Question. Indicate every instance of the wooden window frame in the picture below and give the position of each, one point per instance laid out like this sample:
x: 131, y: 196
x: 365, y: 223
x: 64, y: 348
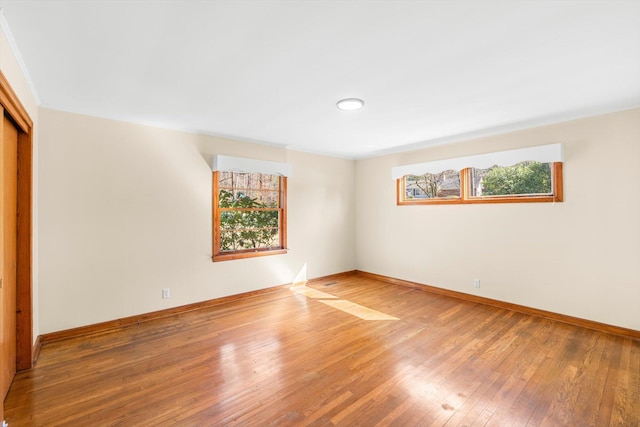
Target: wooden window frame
x: 219, y: 255
x: 467, y: 198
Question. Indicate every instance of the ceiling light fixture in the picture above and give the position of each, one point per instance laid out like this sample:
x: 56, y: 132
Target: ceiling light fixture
x: 350, y: 104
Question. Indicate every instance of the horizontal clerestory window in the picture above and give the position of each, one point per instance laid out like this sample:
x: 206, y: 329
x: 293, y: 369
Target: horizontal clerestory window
x: 525, y: 175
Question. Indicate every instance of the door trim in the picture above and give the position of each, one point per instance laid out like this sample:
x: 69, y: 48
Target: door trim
x: 24, y: 287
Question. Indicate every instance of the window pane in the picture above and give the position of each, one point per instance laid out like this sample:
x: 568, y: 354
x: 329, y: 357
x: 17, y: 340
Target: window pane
x: 443, y: 185
x: 249, y: 219
x: 526, y: 178
x: 249, y: 229
x: 248, y: 190
x: 249, y: 199
x: 244, y: 181
x: 240, y: 240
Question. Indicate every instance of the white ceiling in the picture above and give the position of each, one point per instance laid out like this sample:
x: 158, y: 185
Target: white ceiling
x: 429, y: 71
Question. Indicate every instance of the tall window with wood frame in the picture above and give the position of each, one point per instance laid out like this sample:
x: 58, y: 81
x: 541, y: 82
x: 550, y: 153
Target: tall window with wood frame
x: 249, y: 215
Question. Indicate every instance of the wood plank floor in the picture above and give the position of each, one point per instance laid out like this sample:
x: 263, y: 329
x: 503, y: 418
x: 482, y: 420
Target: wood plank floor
x: 286, y: 359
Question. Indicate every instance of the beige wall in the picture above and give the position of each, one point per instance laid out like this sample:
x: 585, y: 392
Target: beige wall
x: 125, y: 210
x: 580, y: 257
x: 18, y: 82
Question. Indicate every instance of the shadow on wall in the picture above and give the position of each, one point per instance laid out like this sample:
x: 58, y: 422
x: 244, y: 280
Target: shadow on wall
x: 209, y: 146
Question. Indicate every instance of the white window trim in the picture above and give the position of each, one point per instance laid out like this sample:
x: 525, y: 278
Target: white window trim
x: 543, y: 153
x: 241, y: 164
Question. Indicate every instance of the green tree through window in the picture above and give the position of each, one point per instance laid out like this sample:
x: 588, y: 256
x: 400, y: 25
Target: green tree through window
x: 523, y: 178
x: 249, y: 225
x: 249, y: 215
x: 525, y: 182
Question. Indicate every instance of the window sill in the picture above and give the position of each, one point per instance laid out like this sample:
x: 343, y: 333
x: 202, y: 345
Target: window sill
x: 247, y: 254
x: 475, y: 201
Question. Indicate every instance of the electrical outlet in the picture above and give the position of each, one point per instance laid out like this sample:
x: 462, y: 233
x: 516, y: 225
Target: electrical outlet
x: 165, y: 293
x: 476, y: 283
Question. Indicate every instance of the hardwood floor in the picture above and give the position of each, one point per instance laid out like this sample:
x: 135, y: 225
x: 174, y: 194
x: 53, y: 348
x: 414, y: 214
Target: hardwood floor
x: 286, y: 359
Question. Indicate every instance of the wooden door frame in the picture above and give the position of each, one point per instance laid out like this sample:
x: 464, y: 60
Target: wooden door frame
x: 24, y: 289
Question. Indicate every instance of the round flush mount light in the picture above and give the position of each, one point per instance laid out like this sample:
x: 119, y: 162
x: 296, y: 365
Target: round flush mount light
x: 350, y: 104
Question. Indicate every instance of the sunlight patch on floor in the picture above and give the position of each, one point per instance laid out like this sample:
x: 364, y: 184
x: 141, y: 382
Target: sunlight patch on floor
x: 341, y: 304
x: 311, y: 293
x: 358, y: 310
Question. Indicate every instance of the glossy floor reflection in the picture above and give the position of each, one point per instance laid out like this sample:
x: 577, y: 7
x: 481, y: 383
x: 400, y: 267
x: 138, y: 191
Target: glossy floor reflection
x: 299, y: 359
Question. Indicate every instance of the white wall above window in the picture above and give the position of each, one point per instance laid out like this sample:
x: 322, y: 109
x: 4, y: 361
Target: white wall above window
x: 241, y: 164
x: 543, y: 154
